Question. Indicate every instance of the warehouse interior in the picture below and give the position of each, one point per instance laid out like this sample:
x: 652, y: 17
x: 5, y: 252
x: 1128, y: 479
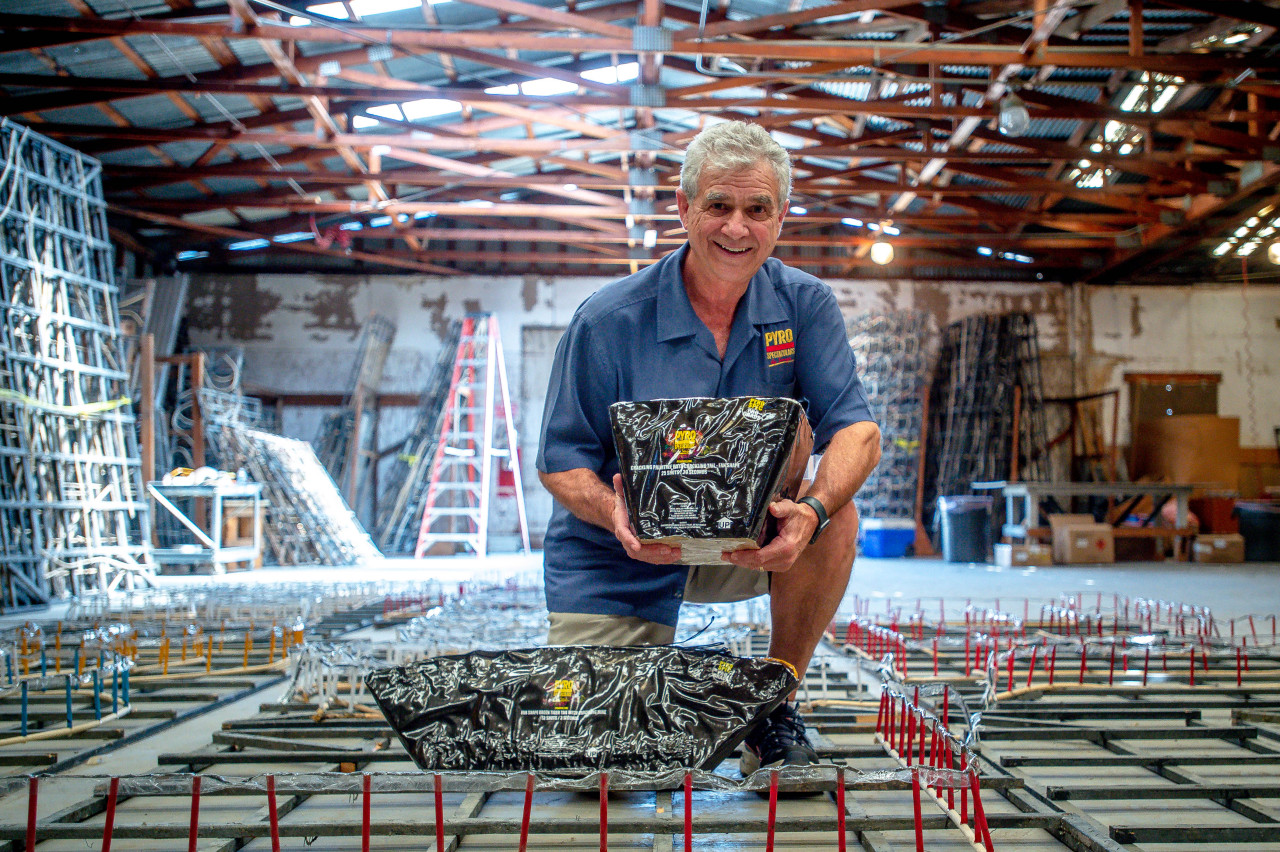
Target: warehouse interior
x: 282, y: 283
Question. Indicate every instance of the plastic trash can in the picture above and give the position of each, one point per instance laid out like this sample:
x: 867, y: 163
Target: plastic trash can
x: 966, y: 528
x: 1260, y: 526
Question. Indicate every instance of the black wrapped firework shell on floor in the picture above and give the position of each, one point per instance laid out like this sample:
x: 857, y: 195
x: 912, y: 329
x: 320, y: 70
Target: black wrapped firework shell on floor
x: 575, y: 709
x: 701, y: 473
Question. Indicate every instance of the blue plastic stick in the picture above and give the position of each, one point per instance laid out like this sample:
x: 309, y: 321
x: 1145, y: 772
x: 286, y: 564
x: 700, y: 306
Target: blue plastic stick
x: 126, y: 688
x: 115, y: 689
x: 97, y: 698
x: 69, y: 701
x: 8, y: 666
x: 75, y: 661
x: 24, y: 708
x: 44, y: 663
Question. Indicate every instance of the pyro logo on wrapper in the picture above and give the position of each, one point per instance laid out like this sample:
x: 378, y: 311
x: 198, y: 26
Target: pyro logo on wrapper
x: 561, y: 695
x: 683, y: 444
x: 779, y: 347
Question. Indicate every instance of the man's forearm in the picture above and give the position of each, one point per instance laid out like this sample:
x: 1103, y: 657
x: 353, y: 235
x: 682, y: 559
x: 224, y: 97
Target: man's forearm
x: 848, y: 460
x: 583, y: 493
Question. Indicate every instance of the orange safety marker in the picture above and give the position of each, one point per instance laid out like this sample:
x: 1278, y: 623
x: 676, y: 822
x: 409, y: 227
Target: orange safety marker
x: 271, y: 657
x: 248, y: 646
x: 208, y: 656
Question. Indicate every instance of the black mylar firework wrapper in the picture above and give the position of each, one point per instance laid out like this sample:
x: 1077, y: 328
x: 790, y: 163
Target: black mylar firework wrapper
x: 576, y: 709
x: 701, y: 473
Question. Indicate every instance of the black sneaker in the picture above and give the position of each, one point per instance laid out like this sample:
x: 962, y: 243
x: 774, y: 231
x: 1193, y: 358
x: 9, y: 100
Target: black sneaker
x: 779, y: 740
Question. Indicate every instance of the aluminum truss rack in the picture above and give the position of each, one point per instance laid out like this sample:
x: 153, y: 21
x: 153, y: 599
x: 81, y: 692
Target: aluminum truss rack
x: 893, y: 355
x: 307, y: 521
x: 72, y: 511
x: 986, y: 409
x: 344, y: 442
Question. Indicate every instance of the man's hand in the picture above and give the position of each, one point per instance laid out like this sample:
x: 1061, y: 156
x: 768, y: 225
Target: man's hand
x: 796, y: 523
x: 654, y: 554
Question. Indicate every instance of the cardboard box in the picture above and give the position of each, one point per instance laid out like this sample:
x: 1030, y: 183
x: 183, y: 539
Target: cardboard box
x: 1018, y: 555
x: 1200, y: 448
x: 1219, y: 547
x: 1080, y: 539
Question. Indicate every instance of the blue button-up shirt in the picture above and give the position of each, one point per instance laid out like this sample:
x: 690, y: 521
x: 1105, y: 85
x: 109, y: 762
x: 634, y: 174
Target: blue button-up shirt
x: 638, y: 339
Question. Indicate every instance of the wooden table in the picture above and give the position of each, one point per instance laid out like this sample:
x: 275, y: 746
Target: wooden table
x: 1022, y: 503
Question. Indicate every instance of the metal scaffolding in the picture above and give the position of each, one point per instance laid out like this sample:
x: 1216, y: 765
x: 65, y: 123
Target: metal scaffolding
x: 72, y: 512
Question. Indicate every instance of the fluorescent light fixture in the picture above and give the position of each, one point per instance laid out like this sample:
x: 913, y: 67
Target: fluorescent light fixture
x: 881, y: 252
x: 873, y: 226
x: 476, y: 202
x: 379, y: 221
x: 425, y: 214
x: 351, y: 226
x: 292, y: 237
x: 650, y: 238
x: 614, y: 73
x: 797, y: 210
x: 192, y: 255
x: 852, y: 222
x: 1273, y: 253
x: 891, y: 230
x: 1222, y: 249
x: 380, y: 150
x: 984, y: 251
x: 509, y: 89
x: 630, y: 221
x: 429, y: 108
x: 1236, y: 38
x: 248, y: 245
x: 570, y: 187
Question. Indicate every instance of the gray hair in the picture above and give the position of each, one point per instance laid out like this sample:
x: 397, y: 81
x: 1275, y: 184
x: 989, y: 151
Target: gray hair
x: 734, y: 145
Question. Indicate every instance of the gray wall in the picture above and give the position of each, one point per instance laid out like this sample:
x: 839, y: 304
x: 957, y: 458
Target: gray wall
x: 299, y: 335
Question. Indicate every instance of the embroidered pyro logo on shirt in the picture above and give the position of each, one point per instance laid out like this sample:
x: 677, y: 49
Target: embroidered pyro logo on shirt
x: 779, y: 347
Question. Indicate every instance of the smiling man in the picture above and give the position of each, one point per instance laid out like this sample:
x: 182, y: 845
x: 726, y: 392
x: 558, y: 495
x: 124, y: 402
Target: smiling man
x: 716, y: 318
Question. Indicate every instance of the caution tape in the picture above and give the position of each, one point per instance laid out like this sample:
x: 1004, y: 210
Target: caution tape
x: 89, y: 409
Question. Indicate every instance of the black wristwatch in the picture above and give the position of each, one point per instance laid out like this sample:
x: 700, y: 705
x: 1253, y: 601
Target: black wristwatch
x: 816, y: 504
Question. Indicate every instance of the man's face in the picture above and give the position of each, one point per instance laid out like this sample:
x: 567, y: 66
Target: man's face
x: 733, y: 224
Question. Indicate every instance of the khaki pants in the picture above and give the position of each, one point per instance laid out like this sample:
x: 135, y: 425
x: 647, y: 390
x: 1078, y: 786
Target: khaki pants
x: 706, y: 584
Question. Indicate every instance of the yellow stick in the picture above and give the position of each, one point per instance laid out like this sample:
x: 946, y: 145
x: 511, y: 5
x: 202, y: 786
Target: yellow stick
x: 57, y: 733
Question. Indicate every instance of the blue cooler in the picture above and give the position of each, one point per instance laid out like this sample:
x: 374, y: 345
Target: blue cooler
x: 885, y: 538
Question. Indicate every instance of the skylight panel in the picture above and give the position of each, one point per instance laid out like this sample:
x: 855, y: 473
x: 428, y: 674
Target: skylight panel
x: 429, y: 108
x: 614, y: 73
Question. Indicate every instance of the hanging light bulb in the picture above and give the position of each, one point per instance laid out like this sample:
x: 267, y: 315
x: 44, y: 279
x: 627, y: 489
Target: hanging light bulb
x: 881, y: 252
x: 1273, y: 252
x: 1015, y: 120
